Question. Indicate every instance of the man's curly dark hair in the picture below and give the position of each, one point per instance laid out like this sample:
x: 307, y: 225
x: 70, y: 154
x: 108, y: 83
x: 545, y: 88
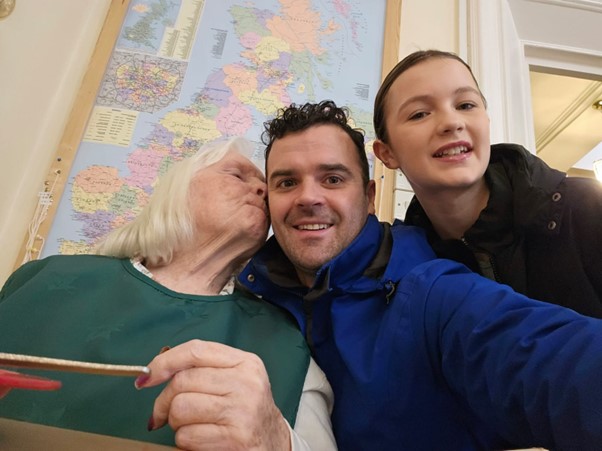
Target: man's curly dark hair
x: 297, y: 118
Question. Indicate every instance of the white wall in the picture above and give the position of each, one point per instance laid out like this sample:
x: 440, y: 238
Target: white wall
x: 45, y: 47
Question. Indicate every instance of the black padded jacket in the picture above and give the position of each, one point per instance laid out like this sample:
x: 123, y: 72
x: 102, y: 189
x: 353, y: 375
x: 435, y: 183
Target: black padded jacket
x: 541, y: 231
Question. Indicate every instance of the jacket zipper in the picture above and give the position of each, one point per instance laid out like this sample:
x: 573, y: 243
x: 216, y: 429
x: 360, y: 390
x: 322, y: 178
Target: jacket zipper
x: 494, y: 272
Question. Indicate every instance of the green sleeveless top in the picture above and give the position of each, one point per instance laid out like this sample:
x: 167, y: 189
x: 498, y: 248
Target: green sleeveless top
x: 102, y: 309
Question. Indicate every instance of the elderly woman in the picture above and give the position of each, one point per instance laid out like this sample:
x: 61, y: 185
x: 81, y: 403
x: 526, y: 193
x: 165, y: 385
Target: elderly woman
x: 165, y: 281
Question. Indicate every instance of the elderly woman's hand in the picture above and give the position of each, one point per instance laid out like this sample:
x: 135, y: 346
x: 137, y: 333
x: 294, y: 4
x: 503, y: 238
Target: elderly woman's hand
x: 218, y: 397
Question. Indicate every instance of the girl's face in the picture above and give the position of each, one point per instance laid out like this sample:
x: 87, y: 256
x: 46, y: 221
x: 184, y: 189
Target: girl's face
x: 437, y: 127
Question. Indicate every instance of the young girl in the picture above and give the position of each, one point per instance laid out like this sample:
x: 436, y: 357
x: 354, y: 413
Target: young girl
x: 496, y: 208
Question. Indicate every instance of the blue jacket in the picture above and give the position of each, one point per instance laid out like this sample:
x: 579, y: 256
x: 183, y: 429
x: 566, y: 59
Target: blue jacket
x: 423, y: 354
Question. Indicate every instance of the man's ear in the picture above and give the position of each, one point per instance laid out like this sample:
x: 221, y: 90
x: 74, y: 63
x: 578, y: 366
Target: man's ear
x: 371, y: 193
x: 384, y: 153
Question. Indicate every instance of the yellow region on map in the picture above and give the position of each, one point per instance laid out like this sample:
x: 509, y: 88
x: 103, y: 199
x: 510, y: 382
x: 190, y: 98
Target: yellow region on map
x: 69, y: 247
x: 189, y: 126
x: 111, y: 126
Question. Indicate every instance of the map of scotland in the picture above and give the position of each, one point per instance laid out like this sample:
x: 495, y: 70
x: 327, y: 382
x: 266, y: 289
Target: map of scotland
x: 187, y: 72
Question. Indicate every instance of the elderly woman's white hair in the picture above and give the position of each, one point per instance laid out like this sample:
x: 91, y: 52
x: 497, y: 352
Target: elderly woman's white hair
x: 165, y: 224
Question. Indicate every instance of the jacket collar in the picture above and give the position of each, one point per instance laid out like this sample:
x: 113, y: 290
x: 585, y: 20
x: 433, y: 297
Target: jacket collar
x: 521, y: 188
x: 367, y: 254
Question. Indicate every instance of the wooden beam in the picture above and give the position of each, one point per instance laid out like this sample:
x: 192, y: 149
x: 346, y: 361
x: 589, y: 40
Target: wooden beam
x: 385, y: 177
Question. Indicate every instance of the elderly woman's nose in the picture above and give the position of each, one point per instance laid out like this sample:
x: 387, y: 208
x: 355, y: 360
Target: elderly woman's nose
x: 260, y: 187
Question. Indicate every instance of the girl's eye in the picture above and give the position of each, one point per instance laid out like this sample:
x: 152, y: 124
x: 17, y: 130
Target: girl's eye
x: 466, y: 106
x: 418, y: 115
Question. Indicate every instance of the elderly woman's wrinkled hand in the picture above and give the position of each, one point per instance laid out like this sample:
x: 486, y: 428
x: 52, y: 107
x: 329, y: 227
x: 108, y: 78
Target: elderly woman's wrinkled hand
x: 217, y: 397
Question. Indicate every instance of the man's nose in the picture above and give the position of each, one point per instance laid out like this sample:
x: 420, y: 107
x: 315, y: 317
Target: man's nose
x: 309, y: 194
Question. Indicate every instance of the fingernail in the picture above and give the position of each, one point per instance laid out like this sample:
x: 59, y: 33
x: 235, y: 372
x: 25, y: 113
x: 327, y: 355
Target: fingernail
x: 141, y: 380
x: 151, y: 424
x: 164, y: 349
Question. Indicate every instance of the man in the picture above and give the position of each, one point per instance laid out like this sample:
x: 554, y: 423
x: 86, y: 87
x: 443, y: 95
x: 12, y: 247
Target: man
x: 421, y: 353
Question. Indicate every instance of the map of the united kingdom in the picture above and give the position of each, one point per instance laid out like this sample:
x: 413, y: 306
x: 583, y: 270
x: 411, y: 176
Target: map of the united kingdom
x: 187, y: 72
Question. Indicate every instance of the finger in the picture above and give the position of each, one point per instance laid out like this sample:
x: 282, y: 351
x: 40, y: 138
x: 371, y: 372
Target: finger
x: 194, y: 353
x: 205, y: 437
x: 183, y: 386
x: 198, y: 408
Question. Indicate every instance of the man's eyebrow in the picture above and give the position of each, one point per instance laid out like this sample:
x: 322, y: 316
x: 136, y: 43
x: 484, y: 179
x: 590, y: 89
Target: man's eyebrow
x: 281, y: 173
x: 334, y: 167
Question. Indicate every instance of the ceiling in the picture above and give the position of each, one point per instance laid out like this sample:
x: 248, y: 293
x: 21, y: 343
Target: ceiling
x: 568, y: 130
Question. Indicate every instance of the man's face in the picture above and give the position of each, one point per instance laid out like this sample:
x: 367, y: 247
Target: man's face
x: 317, y: 199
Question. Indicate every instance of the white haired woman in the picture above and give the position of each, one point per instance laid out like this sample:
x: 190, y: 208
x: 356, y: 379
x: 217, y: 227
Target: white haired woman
x: 239, y: 371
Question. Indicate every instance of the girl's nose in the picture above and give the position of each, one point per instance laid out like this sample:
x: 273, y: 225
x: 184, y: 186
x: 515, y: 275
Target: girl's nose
x: 451, y: 122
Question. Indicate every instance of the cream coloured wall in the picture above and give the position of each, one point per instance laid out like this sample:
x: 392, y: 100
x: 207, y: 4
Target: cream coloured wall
x: 45, y: 47
x: 429, y: 24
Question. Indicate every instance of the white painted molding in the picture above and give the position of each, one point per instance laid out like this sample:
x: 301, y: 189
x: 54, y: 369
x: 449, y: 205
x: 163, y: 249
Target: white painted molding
x: 483, y: 49
x: 587, y: 5
x: 563, y: 59
x: 496, y: 55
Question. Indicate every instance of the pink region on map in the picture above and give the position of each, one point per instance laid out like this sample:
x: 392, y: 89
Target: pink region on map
x: 144, y: 167
x: 235, y: 119
x: 250, y: 40
x: 342, y: 7
x: 99, y: 179
x: 299, y: 26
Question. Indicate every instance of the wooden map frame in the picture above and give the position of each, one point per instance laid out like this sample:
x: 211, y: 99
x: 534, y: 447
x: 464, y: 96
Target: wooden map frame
x: 85, y: 99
